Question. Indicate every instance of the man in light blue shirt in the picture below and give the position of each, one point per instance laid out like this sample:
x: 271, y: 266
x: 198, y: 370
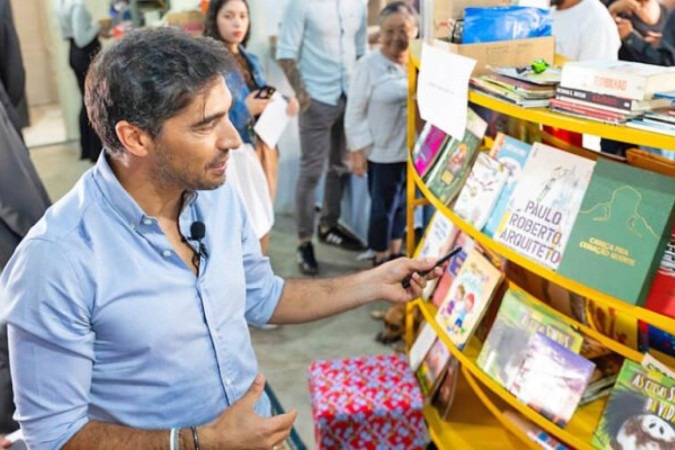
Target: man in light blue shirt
x: 319, y: 43
x: 127, y: 305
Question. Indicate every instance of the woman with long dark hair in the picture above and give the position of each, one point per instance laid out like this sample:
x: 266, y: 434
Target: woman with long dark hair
x: 229, y: 22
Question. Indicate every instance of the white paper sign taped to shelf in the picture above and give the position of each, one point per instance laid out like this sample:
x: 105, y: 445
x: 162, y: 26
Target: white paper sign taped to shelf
x: 443, y: 89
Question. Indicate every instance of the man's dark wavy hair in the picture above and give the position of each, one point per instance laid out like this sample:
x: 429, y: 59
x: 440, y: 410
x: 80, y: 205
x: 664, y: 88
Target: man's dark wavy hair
x: 147, y: 77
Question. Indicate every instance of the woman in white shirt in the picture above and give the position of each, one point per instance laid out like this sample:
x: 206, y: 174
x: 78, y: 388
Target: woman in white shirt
x: 77, y: 28
x: 375, y: 125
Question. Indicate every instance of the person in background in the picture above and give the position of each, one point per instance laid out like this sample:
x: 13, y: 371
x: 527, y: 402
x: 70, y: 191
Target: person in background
x: 77, y: 27
x: 128, y: 330
x: 23, y: 200
x: 253, y: 169
x: 319, y: 43
x: 375, y: 125
x: 646, y: 19
x: 649, y: 49
x: 12, y: 72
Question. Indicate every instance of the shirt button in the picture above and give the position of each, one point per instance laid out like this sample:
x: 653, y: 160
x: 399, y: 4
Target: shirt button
x: 228, y: 381
x: 147, y: 222
x: 166, y: 253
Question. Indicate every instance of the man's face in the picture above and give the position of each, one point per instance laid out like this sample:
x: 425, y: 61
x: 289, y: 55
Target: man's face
x: 192, y: 149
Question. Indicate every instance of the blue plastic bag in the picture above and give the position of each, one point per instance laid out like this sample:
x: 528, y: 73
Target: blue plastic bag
x: 503, y: 23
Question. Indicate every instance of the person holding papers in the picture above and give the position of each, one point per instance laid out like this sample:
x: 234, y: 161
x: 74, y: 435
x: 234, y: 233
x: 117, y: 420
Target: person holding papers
x: 253, y: 168
x: 375, y: 125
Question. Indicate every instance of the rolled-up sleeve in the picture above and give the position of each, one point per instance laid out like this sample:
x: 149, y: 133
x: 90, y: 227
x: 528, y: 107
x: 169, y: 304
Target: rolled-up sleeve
x: 263, y: 288
x: 292, y: 30
x: 357, y: 128
x: 50, y: 343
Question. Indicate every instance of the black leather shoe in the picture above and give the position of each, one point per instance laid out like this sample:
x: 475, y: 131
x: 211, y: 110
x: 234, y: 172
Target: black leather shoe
x: 340, y: 237
x: 306, y: 260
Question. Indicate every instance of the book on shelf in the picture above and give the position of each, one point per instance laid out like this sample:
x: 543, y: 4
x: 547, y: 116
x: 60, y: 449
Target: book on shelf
x: 481, y: 190
x: 429, y: 145
x: 438, y: 237
x: 632, y: 80
x: 609, y: 102
x: 468, y: 297
x: 499, y: 92
x: 551, y: 379
x: 655, y: 365
x: 447, y: 176
x: 621, y: 231
x: 432, y: 367
x: 619, y: 326
x: 544, y: 204
x: 661, y: 297
x: 533, y: 432
x: 518, y: 318
x: 670, y: 95
x: 653, y: 126
x: 590, y: 111
x: 513, y: 154
x: 550, y: 77
x: 452, y: 269
x: 639, y: 413
x: 604, y: 376
x: 524, y: 89
x: 445, y: 394
x: 425, y: 339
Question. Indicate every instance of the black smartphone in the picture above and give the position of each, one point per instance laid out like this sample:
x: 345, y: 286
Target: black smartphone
x: 406, y: 281
x: 265, y: 92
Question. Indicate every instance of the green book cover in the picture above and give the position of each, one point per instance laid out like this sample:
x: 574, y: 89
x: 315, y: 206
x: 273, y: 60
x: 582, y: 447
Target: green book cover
x: 447, y: 176
x: 621, y: 231
x: 640, y: 412
x: 520, y: 317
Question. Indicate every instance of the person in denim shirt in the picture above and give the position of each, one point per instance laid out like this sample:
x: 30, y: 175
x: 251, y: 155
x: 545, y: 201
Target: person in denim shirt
x: 254, y: 169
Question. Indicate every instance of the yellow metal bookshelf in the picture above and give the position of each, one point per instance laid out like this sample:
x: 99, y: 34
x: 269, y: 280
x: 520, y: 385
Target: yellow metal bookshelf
x: 493, y: 397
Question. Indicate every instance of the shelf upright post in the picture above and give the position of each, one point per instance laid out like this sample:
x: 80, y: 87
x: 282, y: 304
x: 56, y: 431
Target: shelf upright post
x: 410, y: 180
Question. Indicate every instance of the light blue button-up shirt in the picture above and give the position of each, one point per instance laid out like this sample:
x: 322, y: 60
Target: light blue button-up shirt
x: 325, y: 37
x: 107, y: 323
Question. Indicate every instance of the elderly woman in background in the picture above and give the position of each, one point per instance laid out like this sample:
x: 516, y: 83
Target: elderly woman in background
x: 375, y: 125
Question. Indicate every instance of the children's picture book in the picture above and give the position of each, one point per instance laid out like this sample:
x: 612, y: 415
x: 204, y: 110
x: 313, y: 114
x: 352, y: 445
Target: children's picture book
x: 519, y: 317
x: 661, y: 297
x: 452, y: 269
x: 425, y: 339
x: 513, y: 154
x: 429, y: 145
x: 447, y: 176
x: 432, y: 367
x: 654, y: 364
x: 438, y: 237
x: 445, y: 394
x: 468, y: 298
x: 544, y: 204
x: 534, y: 433
x: 481, y: 190
x: 620, y: 326
x: 551, y: 379
x: 640, y: 412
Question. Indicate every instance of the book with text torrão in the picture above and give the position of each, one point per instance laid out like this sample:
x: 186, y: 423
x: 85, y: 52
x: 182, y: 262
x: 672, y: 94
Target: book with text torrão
x: 640, y: 412
x: 544, y: 204
x: 481, y: 190
x: 448, y: 174
x: 520, y: 317
x: 621, y: 231
x: 438, y: 237
x: 513, y: 154
x: 631, y: 80
x: 427, y: 148
x: 468, y: 298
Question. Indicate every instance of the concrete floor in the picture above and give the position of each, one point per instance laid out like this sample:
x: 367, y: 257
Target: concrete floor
x: 284, y: 353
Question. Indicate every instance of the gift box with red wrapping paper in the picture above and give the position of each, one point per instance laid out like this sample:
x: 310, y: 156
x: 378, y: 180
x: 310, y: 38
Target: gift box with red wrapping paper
x: 364, y: 403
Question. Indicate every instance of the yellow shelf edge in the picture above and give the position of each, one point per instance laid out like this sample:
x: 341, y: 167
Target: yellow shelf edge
x: 662, y: 322
x: 560, y: 433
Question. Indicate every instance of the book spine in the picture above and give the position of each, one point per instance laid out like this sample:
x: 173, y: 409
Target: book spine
x: 624, y: 85
x: 591, y: 98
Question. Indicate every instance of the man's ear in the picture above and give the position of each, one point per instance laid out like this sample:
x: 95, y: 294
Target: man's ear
x: 136, y: 141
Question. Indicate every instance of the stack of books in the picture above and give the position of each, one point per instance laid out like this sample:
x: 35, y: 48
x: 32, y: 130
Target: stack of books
x: 658, y: 121
x: 517, y: 87
x: 612, y: 91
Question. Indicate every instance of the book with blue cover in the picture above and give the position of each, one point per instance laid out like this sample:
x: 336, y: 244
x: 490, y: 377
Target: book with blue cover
x: 513, y: 154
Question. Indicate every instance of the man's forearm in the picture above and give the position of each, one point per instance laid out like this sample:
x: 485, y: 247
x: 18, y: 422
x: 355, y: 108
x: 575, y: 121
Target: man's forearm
x: 105, y: 436
x: 290, y: 68
x: 307, y: 300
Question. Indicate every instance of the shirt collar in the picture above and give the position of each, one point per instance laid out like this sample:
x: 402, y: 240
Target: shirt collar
x: 120, y: 200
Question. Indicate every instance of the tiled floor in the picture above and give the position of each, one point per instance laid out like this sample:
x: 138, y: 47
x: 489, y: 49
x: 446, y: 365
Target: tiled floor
x: 286, y: 352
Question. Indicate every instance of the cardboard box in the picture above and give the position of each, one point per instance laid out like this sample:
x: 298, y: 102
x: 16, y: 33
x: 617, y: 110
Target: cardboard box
x: 503, y: 53
x: 446, y: 11
x: 190, y: 21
